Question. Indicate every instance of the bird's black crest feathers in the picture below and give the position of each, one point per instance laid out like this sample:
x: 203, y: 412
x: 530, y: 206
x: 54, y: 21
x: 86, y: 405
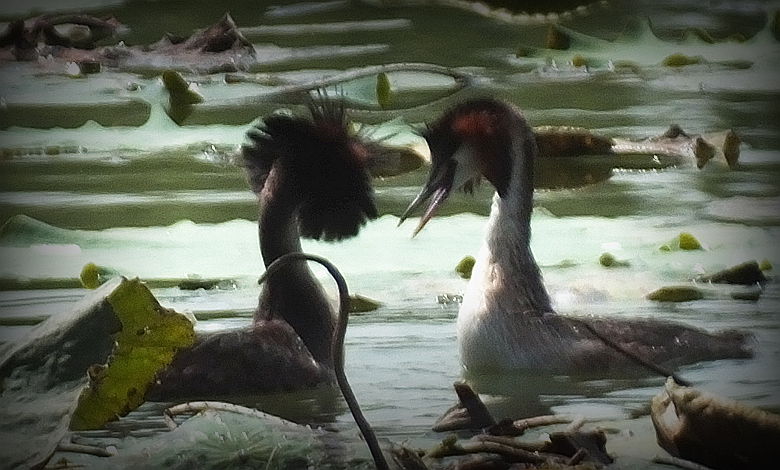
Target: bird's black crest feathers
x: 323, y: 162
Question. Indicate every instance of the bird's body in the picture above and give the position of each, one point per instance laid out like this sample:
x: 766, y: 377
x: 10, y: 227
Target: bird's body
x: 506, y: 320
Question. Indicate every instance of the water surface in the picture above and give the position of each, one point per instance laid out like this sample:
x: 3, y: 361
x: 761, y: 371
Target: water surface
x: 160, y: 200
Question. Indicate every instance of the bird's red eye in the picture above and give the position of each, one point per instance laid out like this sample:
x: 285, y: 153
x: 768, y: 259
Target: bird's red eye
x: 359, y: 151
x: 475, y: 124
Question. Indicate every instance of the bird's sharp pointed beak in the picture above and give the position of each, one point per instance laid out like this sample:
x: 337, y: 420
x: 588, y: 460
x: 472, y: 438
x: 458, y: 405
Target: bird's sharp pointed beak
x: 436, y: 190
x: 439, y: 196
x: 417, y: 202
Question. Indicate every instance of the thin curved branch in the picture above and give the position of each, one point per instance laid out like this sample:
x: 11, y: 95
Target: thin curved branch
x: 460, y: 78
x: 337, y: 348
x: 294, y: 97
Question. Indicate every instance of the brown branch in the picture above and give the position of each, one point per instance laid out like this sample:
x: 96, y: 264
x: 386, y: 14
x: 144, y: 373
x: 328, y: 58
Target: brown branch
x: 82, y: 449
x: 508, y: 441
x: 518, y: 427
x: 461, y: 79
x: 451, y: 447
x: 576, y: 424
x: 578, y: 456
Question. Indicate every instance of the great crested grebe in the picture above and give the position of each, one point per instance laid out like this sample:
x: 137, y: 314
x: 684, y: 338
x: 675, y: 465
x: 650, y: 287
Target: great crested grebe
x: 506, y: 320
x: 311, y: 180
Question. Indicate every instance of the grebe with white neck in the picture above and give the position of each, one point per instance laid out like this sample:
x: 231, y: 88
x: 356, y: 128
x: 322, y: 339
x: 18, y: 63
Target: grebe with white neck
x: 506, y: 320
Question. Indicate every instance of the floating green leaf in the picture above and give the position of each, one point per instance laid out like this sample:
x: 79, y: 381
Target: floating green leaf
x: 384, y: 94
x: 688, y: 242
x: 179, y: 90
x: 676, y: 294
x: 608, y: 260
x: 579, y: 61
x: 92, y: 275
x: 684, y: 241
x: 465, y: 266
x: 147, y: 342
x: 681, y: 60
x: 361, y: 304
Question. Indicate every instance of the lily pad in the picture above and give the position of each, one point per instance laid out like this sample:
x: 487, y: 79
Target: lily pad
x: 149, y: 337
x: 92, y: 275
x: 684, y: 241
x: 465, y: 266
x: 384, y: 94
x: 579, y: 61
x: 361, y: 304
x: 608, y: 260
x: 681, y: 60
x: 676, y: 294
x: 179, y: 89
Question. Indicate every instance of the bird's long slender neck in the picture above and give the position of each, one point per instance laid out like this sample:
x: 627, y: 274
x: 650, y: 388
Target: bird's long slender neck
x: 506, y: 278
x: 293, y: 294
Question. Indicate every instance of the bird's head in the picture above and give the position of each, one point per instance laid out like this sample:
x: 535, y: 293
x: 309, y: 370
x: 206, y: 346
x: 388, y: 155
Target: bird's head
x: 319, y: 165
x: 475, y: 139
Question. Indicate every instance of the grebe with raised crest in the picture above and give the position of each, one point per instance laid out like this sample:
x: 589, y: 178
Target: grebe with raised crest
x: 311, y: 179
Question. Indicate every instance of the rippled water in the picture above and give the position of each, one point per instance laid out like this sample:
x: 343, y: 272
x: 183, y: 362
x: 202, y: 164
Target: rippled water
x: 160, y: 200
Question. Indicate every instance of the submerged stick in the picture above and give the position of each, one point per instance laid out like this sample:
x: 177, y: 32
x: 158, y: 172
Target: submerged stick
x: 337, y: 348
